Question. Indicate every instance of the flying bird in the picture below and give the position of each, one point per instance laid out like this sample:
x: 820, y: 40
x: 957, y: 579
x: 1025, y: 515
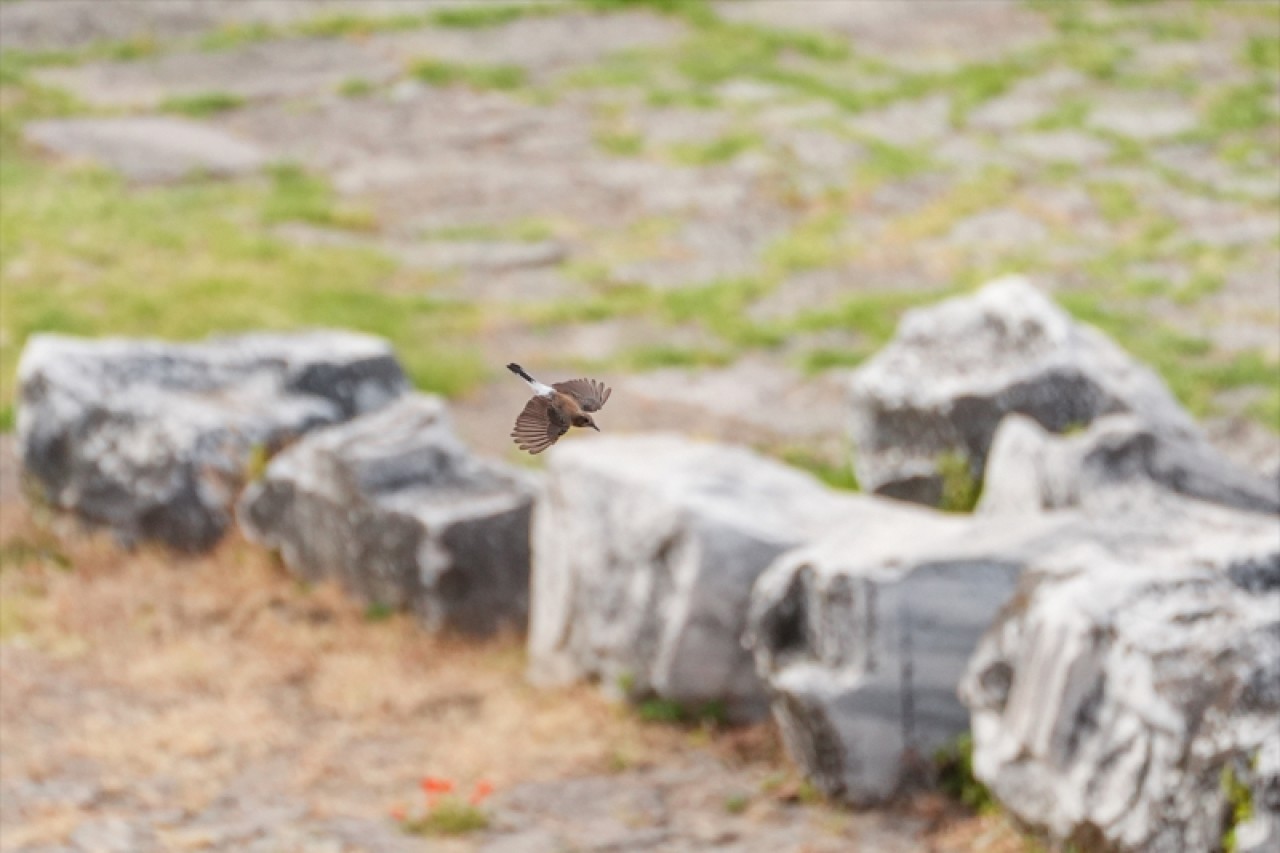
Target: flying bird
x: 555, y: 408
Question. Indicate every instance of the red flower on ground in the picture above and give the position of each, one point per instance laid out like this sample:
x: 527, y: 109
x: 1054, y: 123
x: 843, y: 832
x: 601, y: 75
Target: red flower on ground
x: 482, y: 790
x: 436, y: 785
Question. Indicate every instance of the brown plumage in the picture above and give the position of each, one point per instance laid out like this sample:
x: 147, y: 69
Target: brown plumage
x: 555, y: 408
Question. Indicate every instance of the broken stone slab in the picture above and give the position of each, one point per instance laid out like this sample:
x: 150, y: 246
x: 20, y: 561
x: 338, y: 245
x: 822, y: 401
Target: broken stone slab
x: 484, y: 257
x: 1030, y: 469
x: 863, y: 637
x: 283, y: 68
x: 954, y: 370
x: 148, y: 149
x: 645, y: 552
x: 921, y: 36
x: 1059, y: 146
x: 543, y: 45
x: 68, y: 24
x: 435, y: 157
x: 398, y: 510
x: 153, y: 439
x: 1126, y: 678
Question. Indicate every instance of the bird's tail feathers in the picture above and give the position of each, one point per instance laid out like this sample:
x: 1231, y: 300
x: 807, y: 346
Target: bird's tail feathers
x: 538, y: 388
x: 519, y: 371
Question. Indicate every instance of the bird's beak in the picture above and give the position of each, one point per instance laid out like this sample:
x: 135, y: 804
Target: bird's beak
x: 594, y: 427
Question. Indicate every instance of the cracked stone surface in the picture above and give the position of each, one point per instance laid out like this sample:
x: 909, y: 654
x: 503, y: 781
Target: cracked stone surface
x: 148, y: 149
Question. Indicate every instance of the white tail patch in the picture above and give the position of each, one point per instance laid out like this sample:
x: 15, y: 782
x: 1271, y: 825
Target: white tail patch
x: 538, y: 388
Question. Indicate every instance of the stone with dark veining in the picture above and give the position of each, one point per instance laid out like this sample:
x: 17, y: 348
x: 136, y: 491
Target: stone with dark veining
x: 645, y: 552
x: 1032, y: 470
x: 955, y: 369
x: 397, y: 509
x: 1126, y: 677
x: 154, y: 439
x: 863, y: 637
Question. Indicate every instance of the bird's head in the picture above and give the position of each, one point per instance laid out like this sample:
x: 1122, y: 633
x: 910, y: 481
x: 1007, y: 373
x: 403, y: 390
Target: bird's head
x: 585, y: 421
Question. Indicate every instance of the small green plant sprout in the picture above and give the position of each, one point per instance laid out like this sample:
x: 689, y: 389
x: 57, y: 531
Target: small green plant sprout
x: 377, y: 611
x: 438, y: 73
x: 656, y: 710
x: 202, y: 104
x: 953, y: 765
x: 355, y: 87
x: 1239, y: 810
x: 255, y: 467
x: 736, y: 803
x: 960, y: 488
x: 446, y: 813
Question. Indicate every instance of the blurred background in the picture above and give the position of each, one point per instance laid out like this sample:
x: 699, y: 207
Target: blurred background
x: 727, y: 204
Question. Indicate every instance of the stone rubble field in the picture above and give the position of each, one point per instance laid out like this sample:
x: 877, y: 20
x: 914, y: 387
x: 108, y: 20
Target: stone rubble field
x: 944, y: 341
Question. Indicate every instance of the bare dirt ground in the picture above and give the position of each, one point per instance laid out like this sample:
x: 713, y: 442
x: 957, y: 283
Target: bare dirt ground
x: 157, y: 703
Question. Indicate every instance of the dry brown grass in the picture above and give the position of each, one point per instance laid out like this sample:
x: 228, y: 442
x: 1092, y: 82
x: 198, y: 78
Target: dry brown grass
x: 227, y: 658
x: 219, y: 672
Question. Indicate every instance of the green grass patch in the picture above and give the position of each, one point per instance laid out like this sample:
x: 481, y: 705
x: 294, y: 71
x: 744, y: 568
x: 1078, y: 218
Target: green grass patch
x: 230, y: 36
x: 490, y: 15
x: 736, y: 804
x: 521, y: 230
x: 814, y: 243
x: 1266, y: 409
x: 16, y: 63
x: 660, y: 96
x: 973, y: 84
x: 873, y: 314
x: 202, y: 103
x: 961, y: 488
x: 439, y: 73
x: 720, y: 307
x: 697, y: 12
x: 1190, y: 366
x: 1239, y: 797
x: 886, y: 161
x: 1201, y: 284
x: 1100, y: 58
x: 814, y: 86
x: 620, y: 143
x: 182, y: 262
x: 450, y: 816
x: 625, y: 69
x: 1244, y: 108
x: 356, y: 87
x: 1117, y: 202
x: 39, y: 549
x: 966, y: 198
x: 1070, y: 114
x: 668, y: 711
x: 659, y: 356
x: 376, y: 612
x: 1262, y: 52
x: 954, y: 769
x: 128, y: 50
x: 343, y: 25
x: 822, y: 359
x: 609, y: 302
x: 298, y: 196
x: 837, y: 476
x: 721, y: 150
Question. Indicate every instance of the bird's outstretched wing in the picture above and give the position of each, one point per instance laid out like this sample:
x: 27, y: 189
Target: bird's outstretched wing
x: 591, y: 394
x: 539, y: 425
